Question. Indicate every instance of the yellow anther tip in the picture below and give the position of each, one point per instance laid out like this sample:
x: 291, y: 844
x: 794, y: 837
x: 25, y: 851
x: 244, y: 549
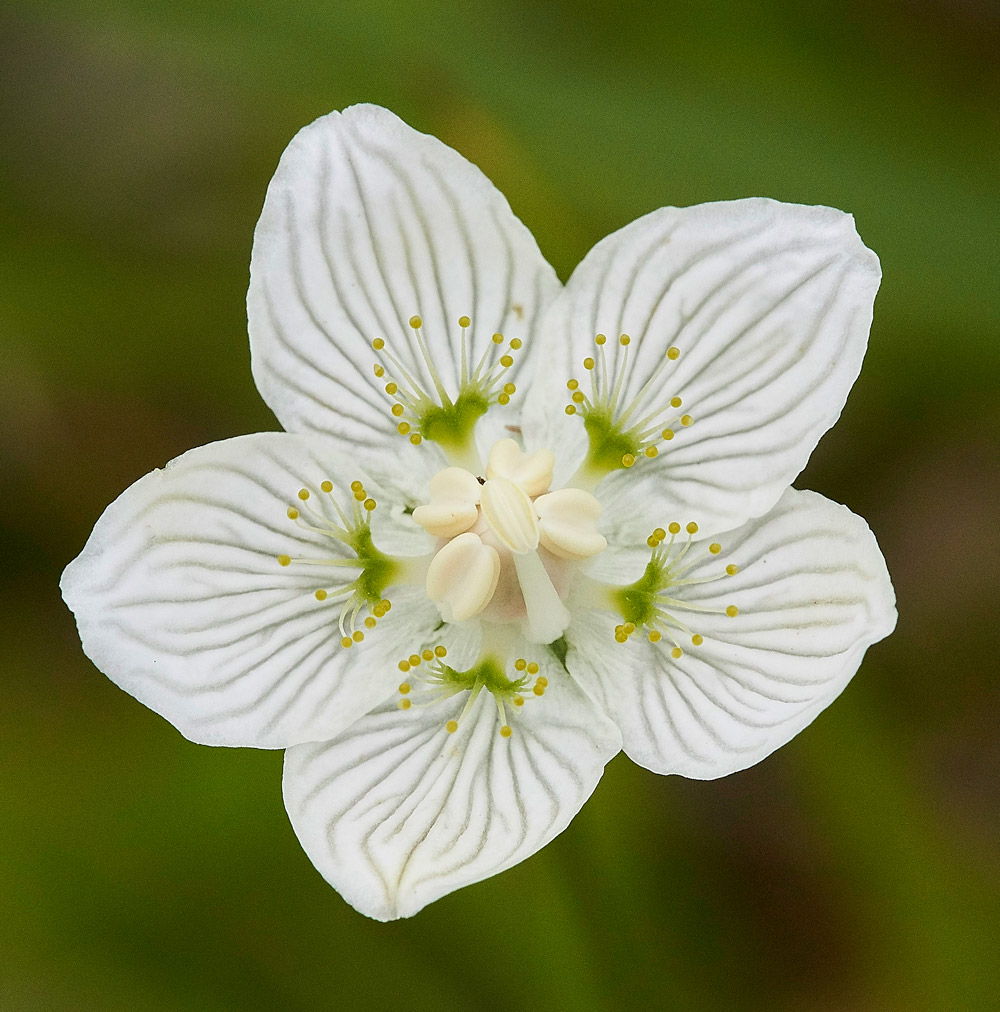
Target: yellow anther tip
x: 570, y: 409
x: 303, y: 494
x: 403, y: 428
x: 676, y: 652
x: 397, y: 410
x: 655, y: 636
x: 674, y: 528
x: 369, y: 504
x: 440, y: 651
x: 370, y: 622
x: 355, y: 485
x: 346, y: 642
x: 715, y: 548
x: 667, y: 434
x: 686, y: 420
x: 673, y: 353
x: 497, y: 338
x: 320, y: 595
x: 428, y: 655
x: 652, y: 541
x: 515, y: 343
x: 628, y: 460
x: 541, y: 680
x: 284, y: 560
x: 414, y: 660
x: 519, y: 700
x: 416, y: 323
x: 659, y: 534
x: 505, y: 731
x: 451, y: 727
x: 538, y: 690
x: 520, y: 664
x: 357, y: 635
x: 327, y: 486
x: 697, y: 639
x: 588, y: 363
x: 624, y: 340
x: 464, y: 321
x: 404, y: 687
x: 506, y: 361
x: 651, y: 451
x: 360, y: 494
x: 391, y: 388
x: 403, y: 666
x: 692, y: 528
x: 600, y: 339
x: 532, y: 669
x: 404, y: 704
x: 675, y: 402
x: 416, y: 439
x: 378, y: 370
x: 503, y: 398
x: 509, y: 388
x: 293, y: 513
x: 577, y: 397
x: 732, y: 611
x: 732, y: 569
x: 378, y: 344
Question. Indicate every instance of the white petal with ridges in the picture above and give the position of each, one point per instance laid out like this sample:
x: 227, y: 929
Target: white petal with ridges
x: 769, y: 305
x: 181, y: 601
x: 396, y: 813
x: 813, y: 594
x: 366, y: 223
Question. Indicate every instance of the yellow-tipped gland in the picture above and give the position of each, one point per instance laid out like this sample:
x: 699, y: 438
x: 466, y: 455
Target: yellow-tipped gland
x: 515, y: 343
x: 509, y: 388
x: 416, y: 438
x: 378, y: 370
x: 414, y: 660
x: 692, y: 528
x: 675, y: 402
x: 326, y: 486
x: 570, y: 409
x: 655, y: 636
x: 651, y: 451
x: 541, y: 680
x: 538, y: 689
x: 624, y: 340
x: 397, y: 410
x: 732, y: 569
x: 378, y: 344
x: 628, y: 460
x: 464, y: 321
x: 403, y: 666
x: 320, y: 595
x: 652, y: 541
x: 497, y: 338
x: 518, y: 700
x: 303, y: 494
x: 506, y: 731
x: 577, y: 397
x: 404, y: 704
x: 732, y: 611
x: 667, y: 434
x: 356, y: 485
x: 346, y: 642
x: 674, y: 527
x: 292, y: 513
x: 360, y: 494
x: 416, y: 323
x: 440, y: 651
x: 284, y: 560
x: 391, y: 388
x: 520, y: 664
x: 673, y: 354
x: 573, y: 384
x: 451, y: 727
x: 369, y: 504
x: 532, y: 669
x: 676, y: 653
x: 628, y: 628
x: 403, y: 428
x: 600, y: 339
x: 357, y: 635
x: 503, y: 398
x: 588, y: 363
x: 370, y: 622
x: 715, y: 548
x: 686, y: 420
x: 697, y: 639
x: 404, y: 688
x: 428, y: 655
x: 659, y: 534
x: 506, y: 361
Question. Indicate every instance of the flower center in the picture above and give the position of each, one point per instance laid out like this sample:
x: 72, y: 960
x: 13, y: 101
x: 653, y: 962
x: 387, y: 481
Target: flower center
x: 622, y: 430
x: 509, y: 545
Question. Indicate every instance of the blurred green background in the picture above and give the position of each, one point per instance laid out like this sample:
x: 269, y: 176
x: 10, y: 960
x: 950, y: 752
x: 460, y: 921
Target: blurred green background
x: 856, y: 869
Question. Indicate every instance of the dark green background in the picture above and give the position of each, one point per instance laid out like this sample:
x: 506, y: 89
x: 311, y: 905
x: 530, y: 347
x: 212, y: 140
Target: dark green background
x: 857, y: 869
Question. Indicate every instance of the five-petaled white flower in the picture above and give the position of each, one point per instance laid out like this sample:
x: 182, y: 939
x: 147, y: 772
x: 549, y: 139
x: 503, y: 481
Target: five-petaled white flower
x: 512, y: 527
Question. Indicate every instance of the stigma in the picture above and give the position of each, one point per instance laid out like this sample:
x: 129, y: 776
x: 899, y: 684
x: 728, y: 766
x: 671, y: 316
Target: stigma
x: 355, y: 574
x: 624, y: 430
x: 656, y: 604
x: 509, y: 545
x: 423, y: 407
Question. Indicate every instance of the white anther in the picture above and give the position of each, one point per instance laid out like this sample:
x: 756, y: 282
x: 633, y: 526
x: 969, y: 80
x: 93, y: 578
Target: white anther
x: 567, y: 523
x: 510, y: 515
x: 531, y: 472
x: 453, y: 506
x: 462, y: 577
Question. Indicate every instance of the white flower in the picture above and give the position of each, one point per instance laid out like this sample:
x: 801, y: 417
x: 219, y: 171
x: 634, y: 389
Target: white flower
x: 453, y: 611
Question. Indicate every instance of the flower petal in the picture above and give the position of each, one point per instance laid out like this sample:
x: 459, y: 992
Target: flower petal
x: 367, y: 223
x: 813, y: 594
x: 396, y: 813
x: 769, y: 306
x: 180, y: 598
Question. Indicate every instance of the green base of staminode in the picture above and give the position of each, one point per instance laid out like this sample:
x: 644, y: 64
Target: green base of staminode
x: 637, y: 602
x: 608, y: 444
x: 452, y: 425
x: 378, y: 571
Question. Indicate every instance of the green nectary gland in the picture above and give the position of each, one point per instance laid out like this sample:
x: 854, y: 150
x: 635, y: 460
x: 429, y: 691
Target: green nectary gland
x: 637, y: 601
x: 608, y: 444
x: 452, y: 424
x: 379, y: 569
x: 488, y: 673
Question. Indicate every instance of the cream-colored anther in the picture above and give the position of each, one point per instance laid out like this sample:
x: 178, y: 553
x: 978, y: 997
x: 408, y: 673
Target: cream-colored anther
x: 462, y: 577
x: 453, y: 506
x: 510, y: 515
x: 567, y: 523
x: 531, y: 472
